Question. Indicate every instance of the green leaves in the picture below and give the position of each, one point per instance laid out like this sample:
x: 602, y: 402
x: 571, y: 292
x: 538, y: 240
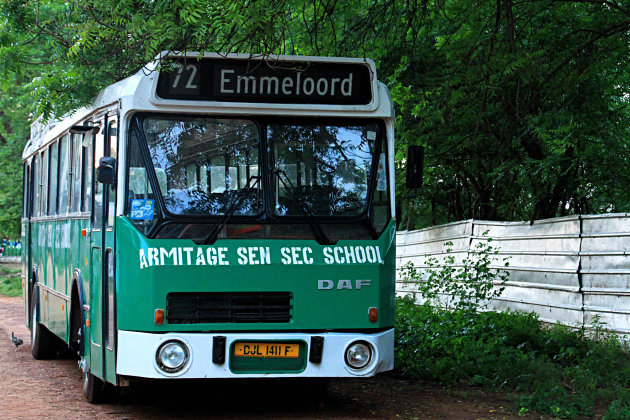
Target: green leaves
x: 524, y: 89
x: 466, y: 285
x: 522, y: 106
x: 553, y: 370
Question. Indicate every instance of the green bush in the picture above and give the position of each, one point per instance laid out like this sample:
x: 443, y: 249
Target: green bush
x: 466, y: 286
x: 10, y: 282
x: 559, y: 371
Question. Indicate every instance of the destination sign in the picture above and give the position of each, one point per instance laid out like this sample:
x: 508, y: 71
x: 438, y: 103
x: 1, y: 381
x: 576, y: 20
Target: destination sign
x: 257, y: 81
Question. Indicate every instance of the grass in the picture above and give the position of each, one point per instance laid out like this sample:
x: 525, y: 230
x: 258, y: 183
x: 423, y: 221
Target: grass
x: 10, y: 281
x: 559, y: 371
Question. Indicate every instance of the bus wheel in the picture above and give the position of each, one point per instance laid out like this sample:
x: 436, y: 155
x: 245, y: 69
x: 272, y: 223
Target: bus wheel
x: 42, y: 340
x: 76, y: 326
x: 93, y: 388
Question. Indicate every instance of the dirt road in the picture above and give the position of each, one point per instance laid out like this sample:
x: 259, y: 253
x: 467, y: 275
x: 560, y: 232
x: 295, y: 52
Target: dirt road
x: 52, y: 389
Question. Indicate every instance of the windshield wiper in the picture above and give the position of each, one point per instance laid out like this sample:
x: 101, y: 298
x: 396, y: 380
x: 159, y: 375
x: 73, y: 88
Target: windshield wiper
x: 320, y: 236
x: 242, y: 195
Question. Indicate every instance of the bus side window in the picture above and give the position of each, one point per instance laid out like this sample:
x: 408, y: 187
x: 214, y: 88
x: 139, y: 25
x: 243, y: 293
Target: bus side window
x: 380, y: 210
x: 196, y: 177
x: 76, y: 173
x: 70, y: 170
x: 53, y: 178
x: 64, y: 173
x: 25, y: 185
x: 219, y: 182
x: 43, y: 204
x: 36, y: 189
x: 88, y: 167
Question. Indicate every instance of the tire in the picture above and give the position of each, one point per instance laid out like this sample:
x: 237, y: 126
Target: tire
x: 93, y: 388
x: 43, y: 344
x: 97, y: 391
x: 75, y: 346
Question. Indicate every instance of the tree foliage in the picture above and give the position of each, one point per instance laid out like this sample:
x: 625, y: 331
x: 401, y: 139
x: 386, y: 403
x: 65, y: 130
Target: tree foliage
x: 522, y: 106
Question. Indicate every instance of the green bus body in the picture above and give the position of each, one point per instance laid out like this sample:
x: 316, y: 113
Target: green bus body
x: 54, y: 267
x: 313, y: 309
x: 99, y: 279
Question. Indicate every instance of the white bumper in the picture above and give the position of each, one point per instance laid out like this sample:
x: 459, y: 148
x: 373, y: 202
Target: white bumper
x: 136, y: 354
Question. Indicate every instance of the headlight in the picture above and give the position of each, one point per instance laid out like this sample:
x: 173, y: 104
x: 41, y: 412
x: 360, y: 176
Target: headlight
x: 172, y: 356
x: 358, y: 355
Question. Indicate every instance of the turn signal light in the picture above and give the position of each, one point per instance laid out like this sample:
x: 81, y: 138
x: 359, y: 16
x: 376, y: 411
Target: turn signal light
x: 159, y: 317
x: 373, y: 314
x: 83, y: 232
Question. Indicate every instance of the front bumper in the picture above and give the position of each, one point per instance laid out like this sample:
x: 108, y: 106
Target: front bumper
x: 136, y: 354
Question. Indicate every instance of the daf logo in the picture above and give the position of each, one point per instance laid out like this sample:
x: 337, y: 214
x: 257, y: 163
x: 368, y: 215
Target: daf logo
x: 343, y: 284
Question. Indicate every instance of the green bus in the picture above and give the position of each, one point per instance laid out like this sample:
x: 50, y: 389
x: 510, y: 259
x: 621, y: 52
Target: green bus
x: 216, y: 216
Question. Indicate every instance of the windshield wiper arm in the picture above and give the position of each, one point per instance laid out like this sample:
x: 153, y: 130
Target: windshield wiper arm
x: 320, y: 236
x: 242, y: 195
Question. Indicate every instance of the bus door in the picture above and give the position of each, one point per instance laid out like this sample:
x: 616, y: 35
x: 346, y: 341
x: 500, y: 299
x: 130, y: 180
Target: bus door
x: 26, y: 241
x: 109, y: 260
x: 102, y: 281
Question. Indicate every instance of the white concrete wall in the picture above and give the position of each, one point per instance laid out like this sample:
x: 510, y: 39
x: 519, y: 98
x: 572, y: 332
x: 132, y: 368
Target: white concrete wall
x: 567, y: 269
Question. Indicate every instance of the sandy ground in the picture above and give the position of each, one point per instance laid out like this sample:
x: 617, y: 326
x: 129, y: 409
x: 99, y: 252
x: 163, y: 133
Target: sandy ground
x: 52, y: 389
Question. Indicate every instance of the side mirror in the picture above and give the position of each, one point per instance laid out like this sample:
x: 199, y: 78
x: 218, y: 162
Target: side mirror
x: 415, y: 166
x: 106, y: 171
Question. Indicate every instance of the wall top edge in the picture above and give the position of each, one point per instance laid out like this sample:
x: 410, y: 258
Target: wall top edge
x: 523, y: 222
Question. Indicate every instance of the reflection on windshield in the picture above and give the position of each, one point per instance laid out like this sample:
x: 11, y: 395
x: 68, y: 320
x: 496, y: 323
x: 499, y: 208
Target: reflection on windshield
x: 315, y: 173
x: 321, y: 170
x: 205, y: 164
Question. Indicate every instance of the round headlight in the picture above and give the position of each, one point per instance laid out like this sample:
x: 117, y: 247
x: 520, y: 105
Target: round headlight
x: 172, y: 356
x: 358, y: 355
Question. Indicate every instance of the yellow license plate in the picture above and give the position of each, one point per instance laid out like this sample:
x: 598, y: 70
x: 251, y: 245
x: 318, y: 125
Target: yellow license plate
x: 275, y: 350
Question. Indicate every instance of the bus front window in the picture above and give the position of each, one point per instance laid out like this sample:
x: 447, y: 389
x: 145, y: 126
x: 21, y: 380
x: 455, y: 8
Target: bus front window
x: 207, y: 162
x: 211, y: 179
x: 323, y: 170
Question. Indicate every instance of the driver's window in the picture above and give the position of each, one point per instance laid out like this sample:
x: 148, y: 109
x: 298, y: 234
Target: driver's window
x: 140, y: 202
x: 380, y: 209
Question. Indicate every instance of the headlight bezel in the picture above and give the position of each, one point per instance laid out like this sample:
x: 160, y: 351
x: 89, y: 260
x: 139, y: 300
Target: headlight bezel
x: 370, y: 354
x: 180, y: 368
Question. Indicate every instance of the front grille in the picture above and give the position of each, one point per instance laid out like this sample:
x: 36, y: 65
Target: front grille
x: 198, y: 308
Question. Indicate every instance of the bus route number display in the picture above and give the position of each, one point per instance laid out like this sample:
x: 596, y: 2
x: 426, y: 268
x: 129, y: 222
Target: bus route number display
x: 255, y: 81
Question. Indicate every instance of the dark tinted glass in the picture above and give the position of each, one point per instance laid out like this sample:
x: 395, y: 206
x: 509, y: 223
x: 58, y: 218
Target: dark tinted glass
x: 321, y: 169
x: 205, y: 166
x: 141, y: 208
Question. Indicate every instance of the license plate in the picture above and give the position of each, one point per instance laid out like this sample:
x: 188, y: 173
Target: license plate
x: 274, y: 350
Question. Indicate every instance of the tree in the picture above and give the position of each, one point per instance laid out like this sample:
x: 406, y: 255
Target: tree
x: 522, y: 107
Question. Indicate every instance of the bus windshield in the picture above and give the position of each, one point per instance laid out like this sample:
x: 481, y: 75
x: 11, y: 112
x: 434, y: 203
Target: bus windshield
x: 322, y: 169
x: 206, y: 165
